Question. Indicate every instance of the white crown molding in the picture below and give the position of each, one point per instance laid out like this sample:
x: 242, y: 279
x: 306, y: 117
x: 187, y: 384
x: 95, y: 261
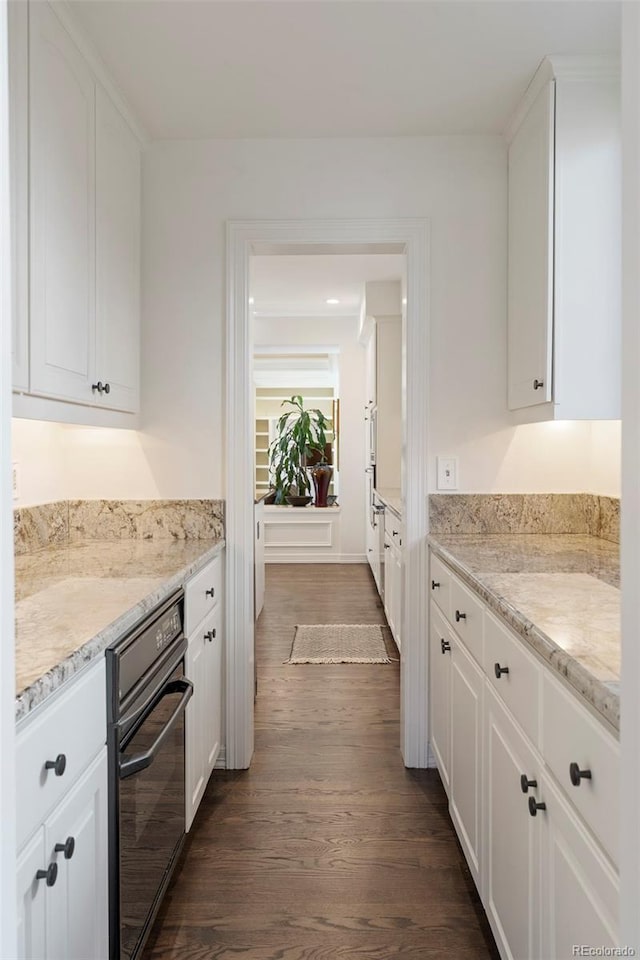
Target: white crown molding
x: 69, y: 20
x: 562, y: 67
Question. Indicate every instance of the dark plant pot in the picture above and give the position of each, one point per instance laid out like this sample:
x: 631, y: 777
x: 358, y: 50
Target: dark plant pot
x: 298, y: 501
x: 270, y: 498
x: 321, y: 476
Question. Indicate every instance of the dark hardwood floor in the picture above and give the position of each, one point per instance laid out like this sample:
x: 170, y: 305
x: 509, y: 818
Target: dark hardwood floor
x: 327, y: 848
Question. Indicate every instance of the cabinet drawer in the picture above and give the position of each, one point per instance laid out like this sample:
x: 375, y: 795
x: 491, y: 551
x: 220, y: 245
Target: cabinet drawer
x: 440, y: 585
x: 201, y: 593
x: 520, y: 686
x: 466, y: 617
x: 570, y: 735
x: 73, y: 727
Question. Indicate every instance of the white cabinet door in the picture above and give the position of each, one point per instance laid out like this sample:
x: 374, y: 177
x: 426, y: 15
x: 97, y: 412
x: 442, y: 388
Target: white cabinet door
x: 212, y: 732
x: 18, y: 26
x: 511, y: 858
x: 467, y: 685
x: 389, y: 586
x: 62, y: 177
x: 204, y: 711
x: 530, y: 271
x: 440, y: 644
x: 396, y: 564
x: 195, y: 671
x: 117, y: 257
x: 32, y: 899
x: 580, y: 890
x: 77, y: 905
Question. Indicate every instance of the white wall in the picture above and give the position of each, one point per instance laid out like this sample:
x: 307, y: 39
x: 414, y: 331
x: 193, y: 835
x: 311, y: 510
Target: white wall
x: 191, y: 189
x: 605, y: 457
x: 338, y: 332
x: 61, y: 462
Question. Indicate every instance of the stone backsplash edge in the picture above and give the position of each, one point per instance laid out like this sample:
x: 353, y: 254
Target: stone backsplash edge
x: 68, y: 521
x: 502, y: 513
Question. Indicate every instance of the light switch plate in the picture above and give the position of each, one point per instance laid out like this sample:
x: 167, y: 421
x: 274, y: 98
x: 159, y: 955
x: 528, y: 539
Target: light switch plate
x: 447, y: 473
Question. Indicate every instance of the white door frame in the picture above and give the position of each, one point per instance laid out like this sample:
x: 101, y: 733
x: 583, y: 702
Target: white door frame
x: 8, y: 946
x: 245, y: 238
x: 630, y: 525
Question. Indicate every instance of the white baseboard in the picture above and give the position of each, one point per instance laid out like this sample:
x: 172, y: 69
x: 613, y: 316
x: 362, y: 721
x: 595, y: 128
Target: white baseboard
x: 221, y: 762
x: 316, y: 558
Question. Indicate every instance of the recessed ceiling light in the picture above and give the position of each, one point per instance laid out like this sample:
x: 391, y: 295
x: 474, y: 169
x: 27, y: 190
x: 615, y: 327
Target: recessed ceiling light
x: 332, y: 300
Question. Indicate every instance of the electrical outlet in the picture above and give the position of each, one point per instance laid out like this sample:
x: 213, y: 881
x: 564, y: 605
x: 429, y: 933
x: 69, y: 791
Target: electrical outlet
x: 447, y: 472
x: 15, y: 479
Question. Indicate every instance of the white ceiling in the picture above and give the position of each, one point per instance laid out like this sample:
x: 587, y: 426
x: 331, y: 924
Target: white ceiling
x: 299, y: 286
x: 334, y: 68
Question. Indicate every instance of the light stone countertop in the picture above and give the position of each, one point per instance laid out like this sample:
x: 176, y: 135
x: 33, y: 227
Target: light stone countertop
x: 74, y: 600
x: 392, y: 498
x: 560, y: 593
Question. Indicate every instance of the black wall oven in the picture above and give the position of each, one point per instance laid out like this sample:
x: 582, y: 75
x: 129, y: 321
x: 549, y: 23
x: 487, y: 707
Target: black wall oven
x: 147, y: 695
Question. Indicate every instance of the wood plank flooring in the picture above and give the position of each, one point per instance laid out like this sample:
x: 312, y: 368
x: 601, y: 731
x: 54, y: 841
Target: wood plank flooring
x: 327, y: 848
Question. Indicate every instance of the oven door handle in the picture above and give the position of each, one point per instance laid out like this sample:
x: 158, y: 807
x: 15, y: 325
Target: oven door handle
x: 141, y: 761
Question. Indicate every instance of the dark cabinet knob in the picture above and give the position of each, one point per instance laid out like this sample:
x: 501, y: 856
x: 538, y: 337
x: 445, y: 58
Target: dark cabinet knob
x: 460, y: 616
x: 99, y: 386
x: 534, y: 806
x: 498, y: 670
x: 525, y: 783
x: 58, y: 765
x: 211, y: 635
x: 576, y: 774
x: 538, y: 384
x: 107, y: 388
x: 210, y: 592
x: 394, y: 533
x: 386, y: 546
x: 50, y: 874
x: 67, y: 847
x: 434, y: 585
x: 445, y: 645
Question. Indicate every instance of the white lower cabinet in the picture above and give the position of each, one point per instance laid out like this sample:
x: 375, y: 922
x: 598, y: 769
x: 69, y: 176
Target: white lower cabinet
x: 63, y: 876
x: 580, y: 889
x: 440, y: 642
x: 511, y: 862
x: 203, y: 666
x: 536, y: 832
x: 31, y: 899
x: 465, y: 775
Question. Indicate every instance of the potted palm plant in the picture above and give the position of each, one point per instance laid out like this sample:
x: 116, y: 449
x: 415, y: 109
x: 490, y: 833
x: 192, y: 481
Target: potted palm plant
x: 301, y: 435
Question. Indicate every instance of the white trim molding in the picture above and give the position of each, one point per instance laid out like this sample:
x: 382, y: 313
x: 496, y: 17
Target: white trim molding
x: 8, y: 924
x: 245, y: 238
x: 630, y: 527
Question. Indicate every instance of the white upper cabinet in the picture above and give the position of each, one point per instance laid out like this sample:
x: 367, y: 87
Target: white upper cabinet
x: 117, y: 256
x: 18, y: 26
x: 75, y: 178
x: 564, y: 243
x: 62, y: 200
x: 531, y: 254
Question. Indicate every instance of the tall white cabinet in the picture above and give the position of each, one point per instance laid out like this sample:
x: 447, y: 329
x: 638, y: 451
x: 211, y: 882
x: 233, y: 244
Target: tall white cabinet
x: 76, y: 226
x: 564, y: 259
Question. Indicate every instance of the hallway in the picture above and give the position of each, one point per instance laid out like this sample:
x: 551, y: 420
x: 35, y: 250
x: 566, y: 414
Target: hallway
x: 327, y: 847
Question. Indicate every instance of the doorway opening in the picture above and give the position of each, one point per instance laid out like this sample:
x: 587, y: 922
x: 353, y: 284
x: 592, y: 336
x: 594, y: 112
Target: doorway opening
x: 404, y: 238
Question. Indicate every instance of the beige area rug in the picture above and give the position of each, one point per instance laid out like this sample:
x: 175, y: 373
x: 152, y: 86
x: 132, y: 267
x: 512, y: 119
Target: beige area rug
x: 338, y: 643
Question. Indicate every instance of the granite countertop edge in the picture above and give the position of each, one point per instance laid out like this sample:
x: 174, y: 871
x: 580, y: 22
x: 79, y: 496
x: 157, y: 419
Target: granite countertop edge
x: 38, y: 692
x: 597, y: 693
